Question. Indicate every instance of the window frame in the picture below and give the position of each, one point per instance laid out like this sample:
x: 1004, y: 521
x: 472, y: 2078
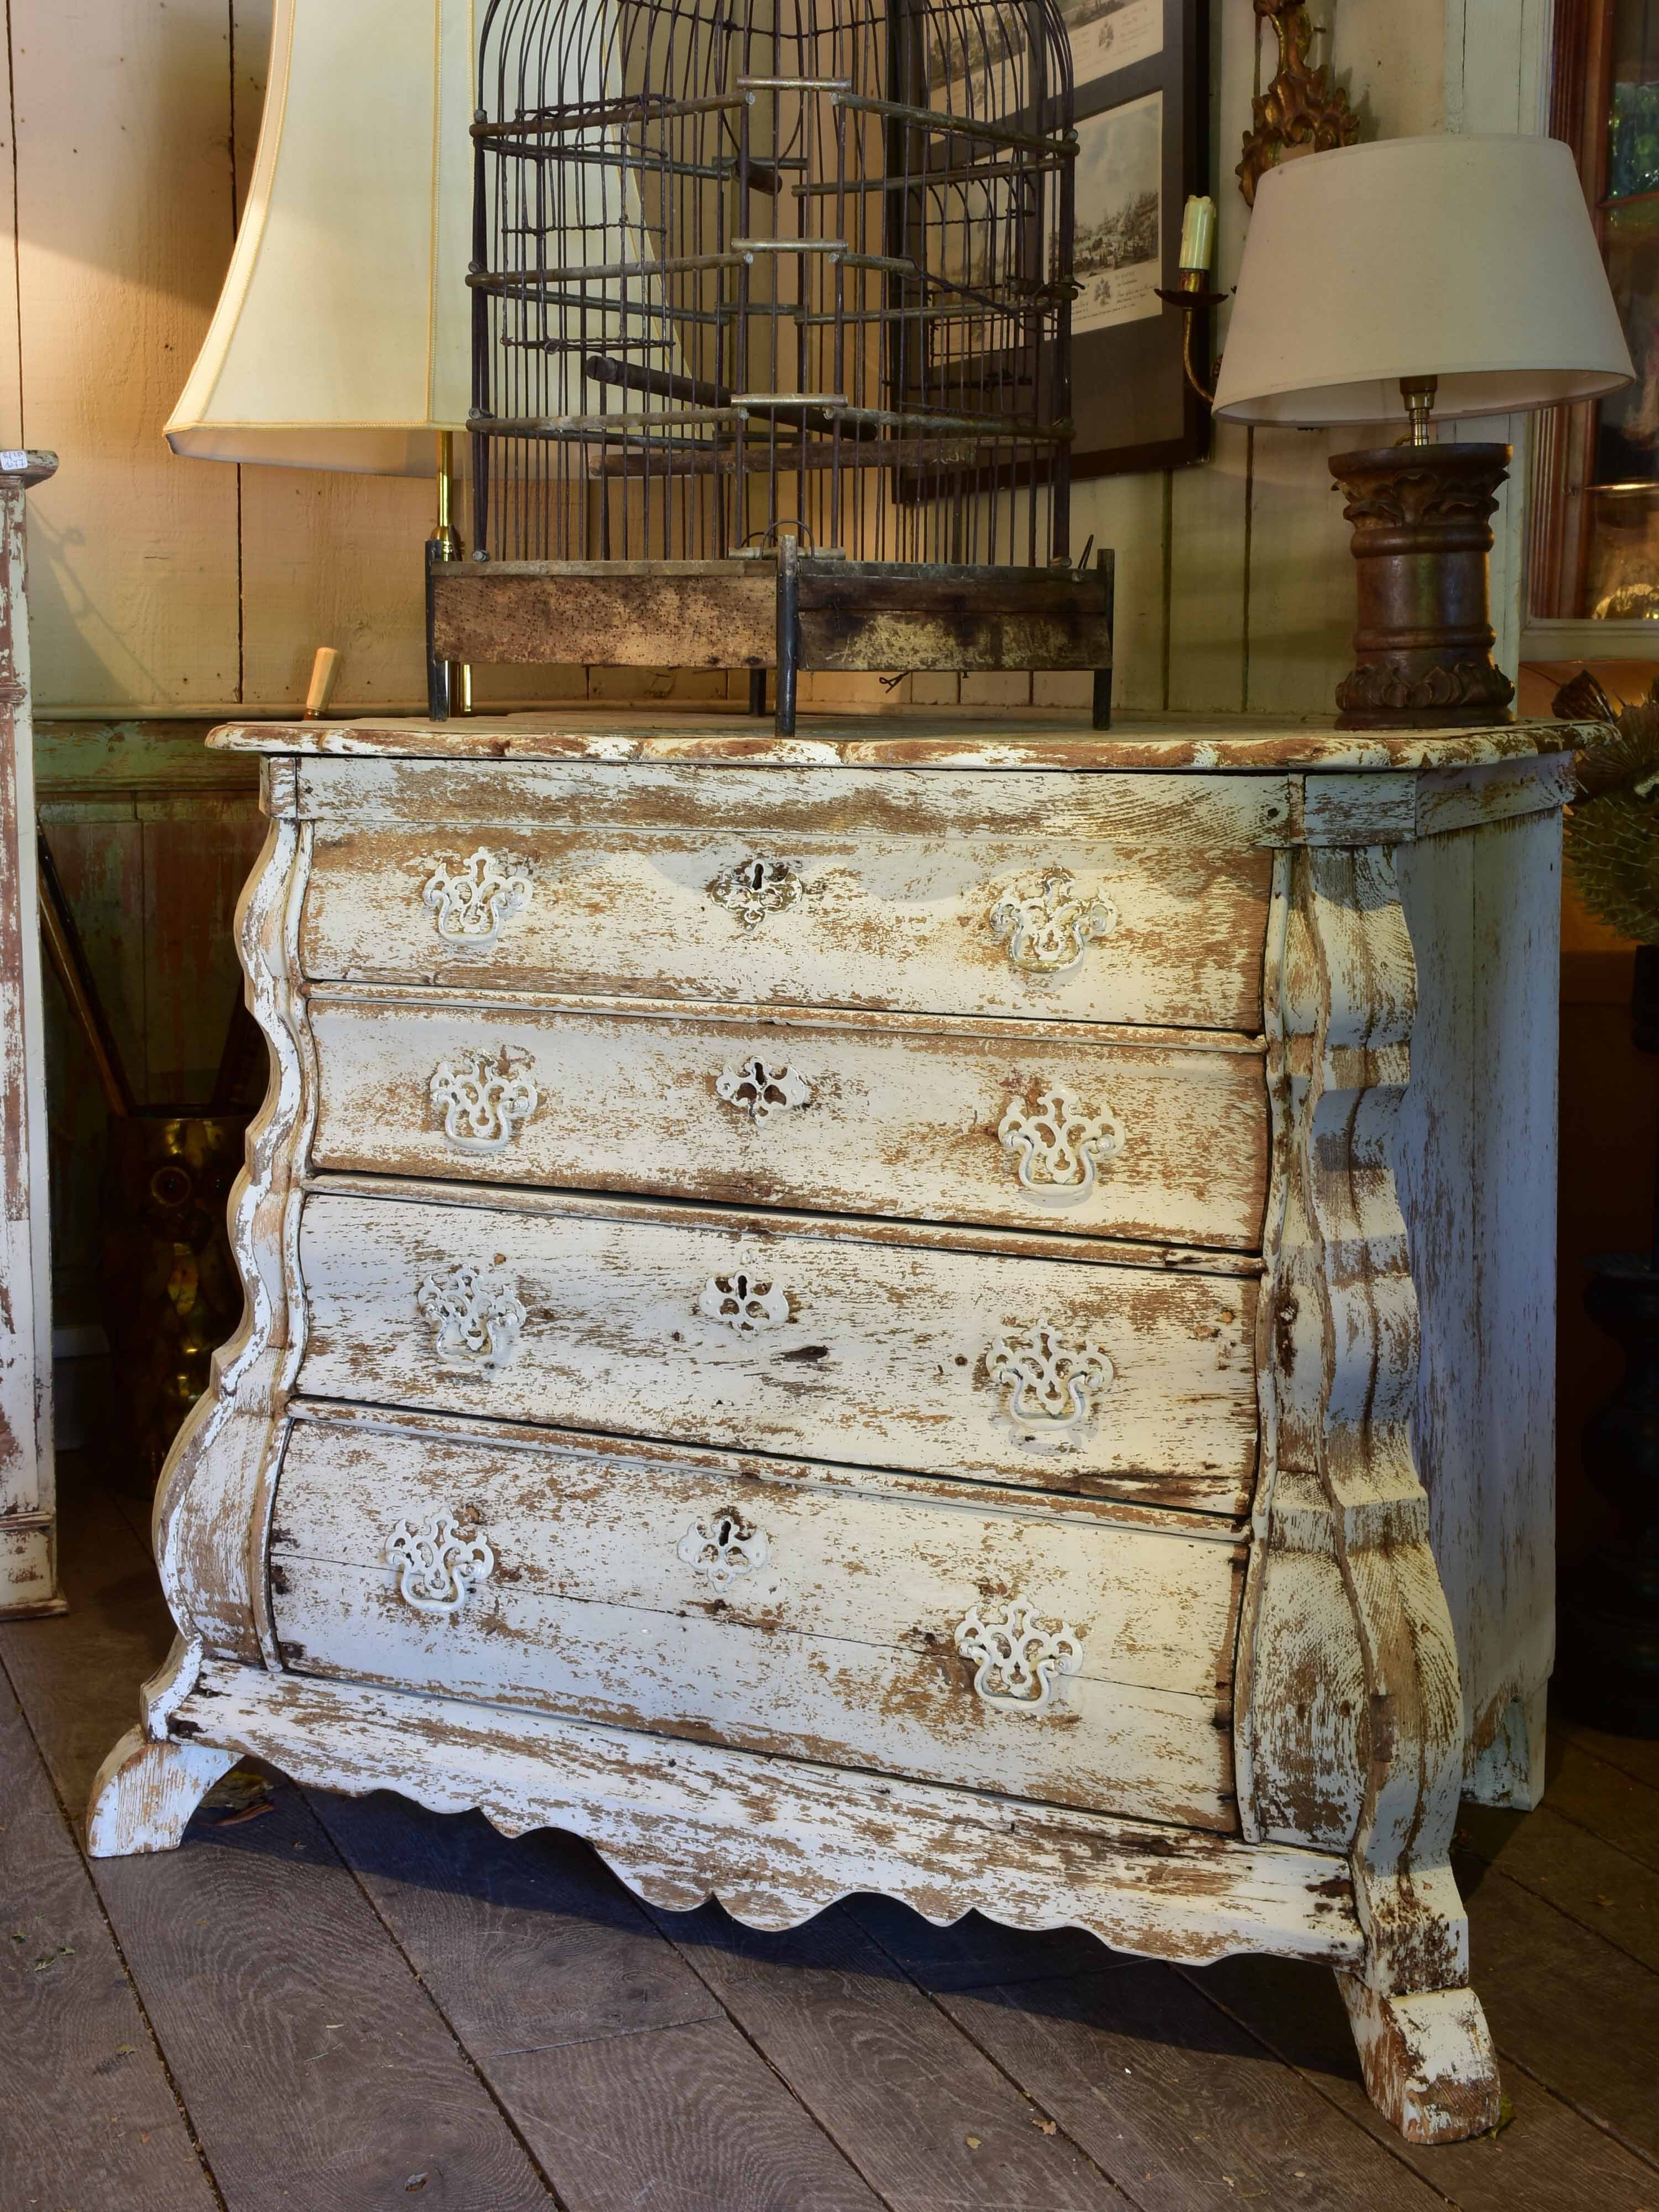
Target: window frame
x: 1563, y: 453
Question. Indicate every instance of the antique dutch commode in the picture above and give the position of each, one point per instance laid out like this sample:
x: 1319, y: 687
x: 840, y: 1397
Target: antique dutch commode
x: 959, y: 1310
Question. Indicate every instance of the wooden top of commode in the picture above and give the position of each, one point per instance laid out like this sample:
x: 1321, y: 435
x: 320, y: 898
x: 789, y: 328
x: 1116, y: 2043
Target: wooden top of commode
x: 909, y: 739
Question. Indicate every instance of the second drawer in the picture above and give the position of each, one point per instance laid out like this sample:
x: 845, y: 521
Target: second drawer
x: 1063, y: 1128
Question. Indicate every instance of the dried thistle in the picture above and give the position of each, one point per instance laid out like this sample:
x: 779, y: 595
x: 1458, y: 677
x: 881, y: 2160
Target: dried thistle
x: 1613, y: 827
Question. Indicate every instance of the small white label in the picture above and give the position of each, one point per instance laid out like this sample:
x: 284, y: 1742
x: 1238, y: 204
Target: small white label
x: 11, y: 462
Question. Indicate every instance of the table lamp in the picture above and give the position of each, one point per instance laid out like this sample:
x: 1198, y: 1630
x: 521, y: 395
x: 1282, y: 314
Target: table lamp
x: 1411, y: 281
x: 343, y: 335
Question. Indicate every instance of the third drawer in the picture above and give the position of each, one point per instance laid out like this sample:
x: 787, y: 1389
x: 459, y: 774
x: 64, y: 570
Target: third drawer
x: 1095, y: 1367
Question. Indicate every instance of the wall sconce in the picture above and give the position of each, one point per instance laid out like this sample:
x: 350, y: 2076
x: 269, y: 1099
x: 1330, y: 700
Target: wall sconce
x: 1195, y: 295
x: 1302, y: 112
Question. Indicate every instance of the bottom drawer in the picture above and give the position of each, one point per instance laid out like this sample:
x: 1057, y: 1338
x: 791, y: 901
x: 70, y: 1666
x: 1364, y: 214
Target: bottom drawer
x: 1060, y: 1649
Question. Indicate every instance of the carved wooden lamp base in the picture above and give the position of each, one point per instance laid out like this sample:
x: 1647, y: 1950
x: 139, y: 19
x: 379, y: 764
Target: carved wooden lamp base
x: 1422, y: 540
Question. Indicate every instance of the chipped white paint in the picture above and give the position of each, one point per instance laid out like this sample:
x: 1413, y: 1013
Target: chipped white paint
x: 743, y: 1302
x: 894, y: 907
x: 1052, y: 1385
x: 902, y: 1119
x: 471, y: 899
x: 1047, y: 923
x: 475, y: 1317
x: 28, y: 1535
x: 838, y: 1645
x: 940, y: 745
x: 436, y: 1564
x: 1059, y: 1144
x: 722, y: 1548
x: 760, y: 1090
x: 882, y: 1356
x: 775, y: 1839
x: 483, y: 1106
x: 1016, y: 1214
x: 756, y: 890
x: 1017, y: 1660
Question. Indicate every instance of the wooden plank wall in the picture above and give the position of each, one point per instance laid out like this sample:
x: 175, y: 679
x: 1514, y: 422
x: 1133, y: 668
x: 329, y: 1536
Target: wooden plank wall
x: 160, y: 583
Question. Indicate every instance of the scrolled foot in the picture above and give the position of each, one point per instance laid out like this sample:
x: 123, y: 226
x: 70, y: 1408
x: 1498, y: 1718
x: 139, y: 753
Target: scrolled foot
x: 1428, y: 2060
x: 145, y: 1792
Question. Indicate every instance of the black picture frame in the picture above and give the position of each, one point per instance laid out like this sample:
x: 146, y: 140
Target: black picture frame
x: 1130, y: 402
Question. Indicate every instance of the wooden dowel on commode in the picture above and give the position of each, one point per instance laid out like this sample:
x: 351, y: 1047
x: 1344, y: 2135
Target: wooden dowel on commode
x: 323, y: 669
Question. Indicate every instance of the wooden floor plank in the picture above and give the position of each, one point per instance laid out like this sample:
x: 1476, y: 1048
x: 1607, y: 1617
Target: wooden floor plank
x: 1548, y: 2159
x: 260, y: 1961
x: 1164, y: 2092
x: 86, y: 2113
x: 926, y: 2117
x: 1174, y: 2100
x: 1637, y: 1756
x: 314, y: 2070
x: 1602, y: 1887
x: 1607, y: 1801
x: 621, y: 2070
x: 1580, y: 2016
x: 975, y: 1953
x: 77, y: 1676
x: 683, y: 2119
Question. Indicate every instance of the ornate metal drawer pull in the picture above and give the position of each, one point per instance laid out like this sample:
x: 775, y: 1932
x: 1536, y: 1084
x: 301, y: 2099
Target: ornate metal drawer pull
x: 723, y: 1549
x: 757, y: 889
x: 1018, y: 1660
x: 1059, y: 1144
x: 1047, y: 921
x: 437, y: 1564
x: 744, y: 1303
x: 1051, y: 1385
x: 471, y: 899
x: 483, y: 1106
x: 475, y: 1317
x: 761, y: 1091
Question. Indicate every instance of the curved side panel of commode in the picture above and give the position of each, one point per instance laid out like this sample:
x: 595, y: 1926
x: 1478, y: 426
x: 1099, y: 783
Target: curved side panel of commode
x: 213, y: 1502
x: 1350, y: 1713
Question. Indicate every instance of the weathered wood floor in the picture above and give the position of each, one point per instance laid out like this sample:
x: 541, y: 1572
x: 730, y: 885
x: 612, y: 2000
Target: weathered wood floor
x: 336, y: 2006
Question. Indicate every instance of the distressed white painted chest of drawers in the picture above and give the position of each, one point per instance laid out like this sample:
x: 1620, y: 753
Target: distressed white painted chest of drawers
x: 965, y: 1319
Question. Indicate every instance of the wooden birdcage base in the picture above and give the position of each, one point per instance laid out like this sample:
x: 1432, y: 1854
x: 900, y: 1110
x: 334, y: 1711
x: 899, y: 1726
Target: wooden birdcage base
x: 792, y: 612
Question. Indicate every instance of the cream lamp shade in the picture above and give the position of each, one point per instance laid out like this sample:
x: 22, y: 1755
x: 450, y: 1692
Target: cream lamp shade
x: 1467, y: 259
x: 342, y: 338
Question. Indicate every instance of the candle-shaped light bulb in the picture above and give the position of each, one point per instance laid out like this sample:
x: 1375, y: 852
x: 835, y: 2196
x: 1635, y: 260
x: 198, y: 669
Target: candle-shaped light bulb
x: 1198, y: 234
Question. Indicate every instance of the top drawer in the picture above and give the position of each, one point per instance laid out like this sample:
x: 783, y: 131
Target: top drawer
x: 1110, y: 899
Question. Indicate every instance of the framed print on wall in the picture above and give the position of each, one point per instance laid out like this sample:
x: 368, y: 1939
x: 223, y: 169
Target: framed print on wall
x: 1139, y: 70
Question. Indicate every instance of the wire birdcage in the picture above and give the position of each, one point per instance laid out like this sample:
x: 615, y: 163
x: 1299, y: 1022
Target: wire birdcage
x: 780, y: 281
x: 749, y: 262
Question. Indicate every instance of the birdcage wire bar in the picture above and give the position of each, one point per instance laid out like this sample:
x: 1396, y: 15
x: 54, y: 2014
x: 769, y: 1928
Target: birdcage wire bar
x: 745, y: 267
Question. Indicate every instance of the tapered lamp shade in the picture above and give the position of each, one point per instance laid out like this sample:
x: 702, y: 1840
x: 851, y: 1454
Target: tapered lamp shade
x: 341, y: 336
x: 1468, y: 259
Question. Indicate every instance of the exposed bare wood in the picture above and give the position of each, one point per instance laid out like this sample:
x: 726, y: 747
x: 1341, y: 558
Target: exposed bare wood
x: 666, y: 1821
x: 1132, y: 898
x: 929, y: 1119
x: 28, y: 1566
x: 883, y: 1352
x: 828, y: 1633
x: 931, y: 741
x: 624, y: 615
x: 1349, y: 1617
x: 1474, y: 1154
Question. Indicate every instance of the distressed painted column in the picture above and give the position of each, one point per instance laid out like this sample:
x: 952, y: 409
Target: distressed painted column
x: 28, y: 1550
